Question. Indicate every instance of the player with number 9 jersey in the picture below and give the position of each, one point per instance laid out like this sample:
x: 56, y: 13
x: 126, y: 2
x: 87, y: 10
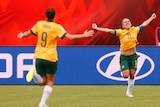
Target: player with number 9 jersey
x: 48, y: 32
x: 46, y: 62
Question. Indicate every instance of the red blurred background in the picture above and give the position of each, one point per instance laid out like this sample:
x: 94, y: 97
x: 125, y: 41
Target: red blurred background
x: 76, y: 16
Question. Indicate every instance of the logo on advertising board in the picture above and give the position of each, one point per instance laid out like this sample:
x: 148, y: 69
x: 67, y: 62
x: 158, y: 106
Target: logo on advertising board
x: 108, y: 66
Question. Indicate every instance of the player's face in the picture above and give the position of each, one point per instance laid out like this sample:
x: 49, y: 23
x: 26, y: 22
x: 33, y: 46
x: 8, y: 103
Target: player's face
x: 126, y: 23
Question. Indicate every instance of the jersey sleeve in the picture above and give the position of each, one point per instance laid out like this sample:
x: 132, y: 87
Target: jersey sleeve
x: 61, y: 32
x: 117, y: 32
x: 34, y: 29
x: 141, y: 27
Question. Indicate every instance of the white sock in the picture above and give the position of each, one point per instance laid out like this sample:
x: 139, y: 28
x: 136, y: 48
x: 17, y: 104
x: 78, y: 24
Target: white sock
x: 37, y: 78
x: 130, y: 85
x: 46, y: 93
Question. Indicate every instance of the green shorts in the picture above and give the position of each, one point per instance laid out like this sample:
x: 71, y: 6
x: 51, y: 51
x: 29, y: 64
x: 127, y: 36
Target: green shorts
x: 44, y: 67
x: 128, y: 62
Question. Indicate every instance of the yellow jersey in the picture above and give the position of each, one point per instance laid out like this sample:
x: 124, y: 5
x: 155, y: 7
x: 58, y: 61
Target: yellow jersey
x: 48, y: 32
x: 128, y: 38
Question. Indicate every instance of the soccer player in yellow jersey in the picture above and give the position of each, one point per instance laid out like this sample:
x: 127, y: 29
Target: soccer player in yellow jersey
x: 128, y: 41
x: 48, y: 32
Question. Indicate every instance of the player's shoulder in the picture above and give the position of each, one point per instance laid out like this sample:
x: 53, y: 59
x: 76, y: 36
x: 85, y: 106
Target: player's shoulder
x: 133, y: 27
x: 39, y: 22
x: 119, y: 30
x: 58, y: 25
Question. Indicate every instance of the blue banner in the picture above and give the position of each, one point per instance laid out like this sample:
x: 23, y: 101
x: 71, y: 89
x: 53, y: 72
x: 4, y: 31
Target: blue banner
x: 81, y: 65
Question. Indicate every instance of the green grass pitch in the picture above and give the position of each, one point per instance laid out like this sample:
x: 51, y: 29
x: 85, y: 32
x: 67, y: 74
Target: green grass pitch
x: 80, y: 96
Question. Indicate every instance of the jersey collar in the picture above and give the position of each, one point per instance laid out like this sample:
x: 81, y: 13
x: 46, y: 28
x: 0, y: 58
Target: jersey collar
x: 49, y: 20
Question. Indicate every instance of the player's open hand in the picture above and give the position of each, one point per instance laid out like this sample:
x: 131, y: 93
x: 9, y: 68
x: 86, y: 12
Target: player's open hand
x: 88, y: 33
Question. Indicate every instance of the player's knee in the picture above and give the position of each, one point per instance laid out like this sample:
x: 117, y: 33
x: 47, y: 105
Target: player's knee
x: 132, y: 77
x: 44, y: 82
x: 125, y: 75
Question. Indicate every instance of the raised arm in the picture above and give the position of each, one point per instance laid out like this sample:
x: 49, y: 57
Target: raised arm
x: 94, y: 26
x: 78, y: 36
x: 148, y: 21
x: 24, y: 34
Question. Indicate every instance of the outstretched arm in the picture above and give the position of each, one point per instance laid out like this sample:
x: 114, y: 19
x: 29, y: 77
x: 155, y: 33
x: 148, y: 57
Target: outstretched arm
x: 24, y: 34
x: 148, y: 21
x: 94, y: 26
x: 78, y: 36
